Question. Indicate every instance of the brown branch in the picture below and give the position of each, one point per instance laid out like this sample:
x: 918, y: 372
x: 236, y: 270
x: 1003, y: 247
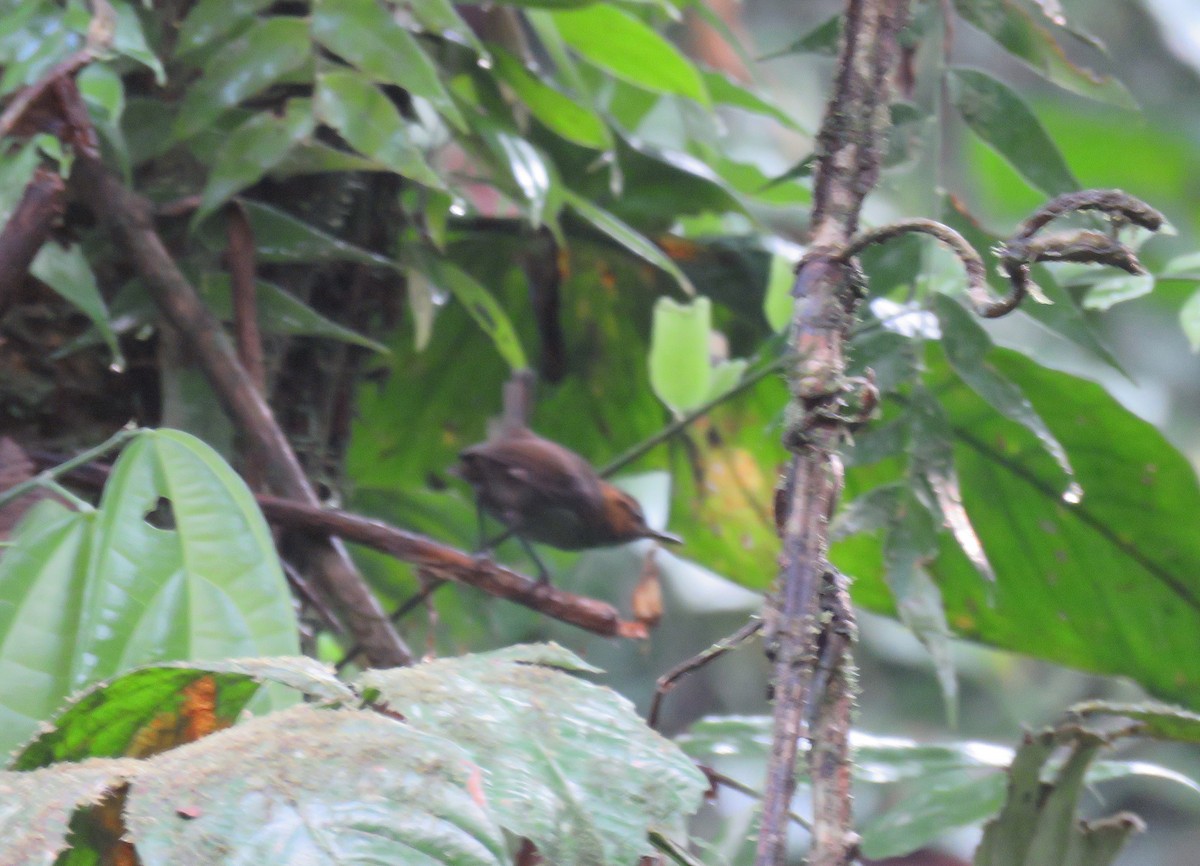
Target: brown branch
x: 239, y: 254
x: 27, y: 229
x: 449, y: 563
x: 130, y: 219
x: 849, y: 148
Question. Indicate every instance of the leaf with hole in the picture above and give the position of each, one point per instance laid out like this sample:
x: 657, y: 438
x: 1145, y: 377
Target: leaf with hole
x: 177, y: 562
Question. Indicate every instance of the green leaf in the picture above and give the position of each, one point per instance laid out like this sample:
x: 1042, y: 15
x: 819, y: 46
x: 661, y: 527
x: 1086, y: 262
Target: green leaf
x: 1001, y: 118
x: 591, y: 782
x: 726, y: 91
x: 252, y: 150
x: 618, y: 42
x: 439, y: 18
x: 477, y: 300
x: 966, y: 345
x: 1023, y: 38
x: 85, y: 596
x: 1162, y: 721
x: 331, y: 785
x: 561, y: 114
x: 680, y: 372
x: 822, y: 39
x: 368, y: 120
x: 911, y: 539
x: 627, y: 237
x: 1061, y: 568
x: 139, y: 708
x: 209, y: 20
x: 130, y: 40
x: 281, y: 237
x: 1111, y: 291
x: 778, y: 303
x: 67, y: 272
x: 940, y: 802
x: 36, y: 808
x: 368, y: 37
x: 264, y: 53
x: 280, y: 312
x: 1189, y: 320
x: 102, y: 88
x: 534, y: 175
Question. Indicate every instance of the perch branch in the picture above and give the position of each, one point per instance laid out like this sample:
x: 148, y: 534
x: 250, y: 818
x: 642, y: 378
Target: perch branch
x: 450, y: 564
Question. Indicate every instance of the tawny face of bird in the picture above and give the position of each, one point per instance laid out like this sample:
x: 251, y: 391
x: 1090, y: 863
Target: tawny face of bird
x: 626, y: 519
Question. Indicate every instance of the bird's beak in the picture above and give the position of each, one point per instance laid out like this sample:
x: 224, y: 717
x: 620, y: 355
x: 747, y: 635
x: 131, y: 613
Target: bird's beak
x: 667, y: 537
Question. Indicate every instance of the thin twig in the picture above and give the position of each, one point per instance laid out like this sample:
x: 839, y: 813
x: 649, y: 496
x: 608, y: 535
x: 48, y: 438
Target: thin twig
x: 670, y: 679
x: 717, y: 778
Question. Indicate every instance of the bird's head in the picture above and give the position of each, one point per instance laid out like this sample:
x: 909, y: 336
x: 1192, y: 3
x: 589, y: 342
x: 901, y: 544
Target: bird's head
x: 624, y: 518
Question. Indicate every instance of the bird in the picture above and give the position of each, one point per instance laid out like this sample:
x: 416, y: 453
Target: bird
x: 546, y: 493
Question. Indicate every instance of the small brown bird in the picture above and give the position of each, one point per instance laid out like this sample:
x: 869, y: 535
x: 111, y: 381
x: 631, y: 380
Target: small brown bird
x: 546, y: 493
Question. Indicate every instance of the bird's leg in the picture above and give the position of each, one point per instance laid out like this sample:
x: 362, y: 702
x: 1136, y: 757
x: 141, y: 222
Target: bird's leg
x: 543, y: 573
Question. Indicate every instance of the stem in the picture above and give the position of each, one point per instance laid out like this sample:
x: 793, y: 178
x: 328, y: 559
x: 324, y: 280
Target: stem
x: 49, y: 477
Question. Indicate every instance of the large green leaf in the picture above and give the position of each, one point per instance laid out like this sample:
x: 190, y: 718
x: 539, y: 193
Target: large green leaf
x: 620, y: 43
x: 567, y: 764
x: 1001, y: 118
x: 269, y: 49
x: 371, y: 123
x: 1107, y: 585
x: 366, y: 35
x: 209, y: 20
x: 83, y: 596
x: 308, y: 785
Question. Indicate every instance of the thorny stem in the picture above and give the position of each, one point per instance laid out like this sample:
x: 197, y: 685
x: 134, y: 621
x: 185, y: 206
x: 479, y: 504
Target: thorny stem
x: 849, y: 156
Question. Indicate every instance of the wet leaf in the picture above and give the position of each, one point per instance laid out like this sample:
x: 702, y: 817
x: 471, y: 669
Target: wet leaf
x: 269, y: 49
x: 67, y: 272
x: 366, y: 35
x: 251, y: 151
x: 371, y: 123
x: 568, y: 117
